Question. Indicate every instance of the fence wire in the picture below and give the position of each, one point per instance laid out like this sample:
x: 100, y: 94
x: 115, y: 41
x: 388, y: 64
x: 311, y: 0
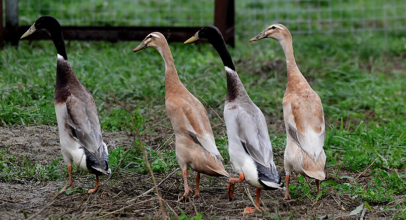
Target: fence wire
x: 321, y: 16
x: 119, y: 12
x: 252, y: 16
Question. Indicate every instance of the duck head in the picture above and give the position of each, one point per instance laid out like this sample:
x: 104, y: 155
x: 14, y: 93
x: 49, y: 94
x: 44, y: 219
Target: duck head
x: 276, y: 31
x: 210, y: 34
x: 154, y: 40
x: 47, y: 23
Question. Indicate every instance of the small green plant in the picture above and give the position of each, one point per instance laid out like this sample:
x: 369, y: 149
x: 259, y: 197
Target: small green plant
x: 301, y: 190
x: 379, y: 191
x: 14, y: 168
x: 183, y: 216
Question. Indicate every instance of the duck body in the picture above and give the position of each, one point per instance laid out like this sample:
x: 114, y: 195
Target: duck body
x: 78, y: 123
x: 246, y: 128
x: 249, y: 145
x: 71, y: 96
x: 192, y: 130
x: 195, y: 145
x: 305, y: 126
x: 303, y: 116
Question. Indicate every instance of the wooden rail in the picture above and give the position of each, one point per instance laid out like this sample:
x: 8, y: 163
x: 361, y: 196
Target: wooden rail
x: 1, y: 24
x: 224, y: 11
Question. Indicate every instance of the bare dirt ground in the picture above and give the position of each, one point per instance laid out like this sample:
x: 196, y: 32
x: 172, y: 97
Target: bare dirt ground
x: 122, y: 197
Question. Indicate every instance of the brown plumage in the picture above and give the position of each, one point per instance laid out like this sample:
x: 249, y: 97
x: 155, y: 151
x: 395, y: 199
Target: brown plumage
x: 303, y: 115
x: 195, y: 145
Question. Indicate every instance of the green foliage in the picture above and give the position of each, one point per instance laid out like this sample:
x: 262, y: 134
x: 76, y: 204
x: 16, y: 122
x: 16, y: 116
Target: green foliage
x: 183, y: 216
x: 131, y: 159
x: 301, y: 190
x: 75, y: 190
x: 20, y: 169
x: 401, y: 213
x: 116, y: 120
x: 379, y: 191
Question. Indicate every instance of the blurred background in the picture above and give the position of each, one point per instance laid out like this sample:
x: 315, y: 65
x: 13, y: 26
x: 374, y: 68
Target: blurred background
x: 251, y: 16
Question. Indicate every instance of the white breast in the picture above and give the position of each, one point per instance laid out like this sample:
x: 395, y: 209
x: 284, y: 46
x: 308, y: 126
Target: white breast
x: 71, y: 150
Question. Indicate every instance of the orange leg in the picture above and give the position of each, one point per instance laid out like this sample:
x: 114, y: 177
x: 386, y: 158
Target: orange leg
x: 287, y: 196
x: 187, y: 189
x: 248, y: 210
x: 197, y: 185
x: 230, y: 187
x: 70, y: 177
x: 318, y: 186
x: 97, y: 186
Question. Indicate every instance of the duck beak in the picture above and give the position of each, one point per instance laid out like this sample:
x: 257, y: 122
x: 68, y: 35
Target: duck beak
x: 29, y: 32
x: 259, y: 36
x: 140, y: 47
x: 192, y: 39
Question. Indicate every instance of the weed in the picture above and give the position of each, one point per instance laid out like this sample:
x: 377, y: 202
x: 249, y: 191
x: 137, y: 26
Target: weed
x: 301, y: 190
x: 20, y: 169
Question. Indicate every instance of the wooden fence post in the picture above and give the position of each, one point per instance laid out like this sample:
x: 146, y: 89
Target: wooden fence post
x: 12, y: 20
x: 1, y: 25
x: 224, y: 19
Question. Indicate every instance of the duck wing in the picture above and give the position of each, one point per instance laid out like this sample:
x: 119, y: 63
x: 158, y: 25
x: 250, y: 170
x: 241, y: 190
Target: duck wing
x: 84, y: 124
x: 199, y: 128
x: 305, y: 124
x: 253, y: 134
x: 188, y: 116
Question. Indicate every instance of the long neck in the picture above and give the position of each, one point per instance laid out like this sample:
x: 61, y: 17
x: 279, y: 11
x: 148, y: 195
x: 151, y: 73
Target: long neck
x: 225, y: 56
x: 291, y: 66
x: 59, y: 43
x: 234, y: 85
x: 64, y: 72
x: 172, y: 81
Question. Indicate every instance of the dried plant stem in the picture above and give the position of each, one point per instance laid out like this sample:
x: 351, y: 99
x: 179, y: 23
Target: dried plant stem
x: 367, y: 168
x: 49, y: 204
x: 144, y: 156
x: 148, y: 191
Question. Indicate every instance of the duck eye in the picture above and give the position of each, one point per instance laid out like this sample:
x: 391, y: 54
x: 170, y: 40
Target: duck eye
x: 150, y: 36
x: 273, y: 27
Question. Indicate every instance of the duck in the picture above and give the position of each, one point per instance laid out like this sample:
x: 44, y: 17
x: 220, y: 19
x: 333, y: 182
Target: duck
x: 79, y: 128
x: 303, y: 116
x: 194, y: 140
x: 249, y: 145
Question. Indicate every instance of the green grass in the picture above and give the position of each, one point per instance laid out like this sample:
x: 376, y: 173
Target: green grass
x: 22, y: 170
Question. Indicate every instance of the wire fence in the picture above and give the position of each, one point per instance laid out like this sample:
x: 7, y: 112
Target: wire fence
x: 252, y: 16
x: 179, y: 13
x: 321, y: 16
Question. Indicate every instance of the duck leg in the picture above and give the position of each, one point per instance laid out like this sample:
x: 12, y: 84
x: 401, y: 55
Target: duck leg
x: 287, y: 196
x: 97, y: 186
x: 70, y: 177
x: 230, y: 187
x: 197, y: 185
x: 248, y: 210
x: 187, y: 189
x: 318, y: 186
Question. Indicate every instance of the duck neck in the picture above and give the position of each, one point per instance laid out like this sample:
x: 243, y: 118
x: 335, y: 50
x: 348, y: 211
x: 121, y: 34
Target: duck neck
x: 59, y: 43
x: 64, y: 71
x: 172, y: 80
x: 225, y: 56
x: 291, y: 65
x: 233, y: 81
